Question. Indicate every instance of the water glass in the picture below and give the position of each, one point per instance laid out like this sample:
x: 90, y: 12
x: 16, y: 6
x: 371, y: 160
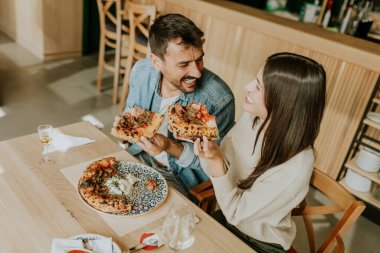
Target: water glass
x: 178, y: 229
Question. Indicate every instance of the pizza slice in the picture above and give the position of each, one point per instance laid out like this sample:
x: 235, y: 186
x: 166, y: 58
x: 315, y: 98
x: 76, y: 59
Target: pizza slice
x: 94, y: 188
x: 192, y: 122
x: 135, y: 123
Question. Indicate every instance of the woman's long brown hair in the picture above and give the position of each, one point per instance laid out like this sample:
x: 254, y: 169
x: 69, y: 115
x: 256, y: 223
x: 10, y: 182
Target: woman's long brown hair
x: 294, y: 95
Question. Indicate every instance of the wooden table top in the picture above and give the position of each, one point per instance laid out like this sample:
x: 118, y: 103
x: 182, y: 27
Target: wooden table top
x: 38, y: 204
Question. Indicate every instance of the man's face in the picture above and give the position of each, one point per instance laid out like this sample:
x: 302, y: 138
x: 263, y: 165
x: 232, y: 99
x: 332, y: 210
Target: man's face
x: 181, y: 67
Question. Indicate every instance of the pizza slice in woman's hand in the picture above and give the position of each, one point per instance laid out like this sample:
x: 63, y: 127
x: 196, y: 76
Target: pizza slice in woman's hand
x: 192, y: 122
x: 135, y: 123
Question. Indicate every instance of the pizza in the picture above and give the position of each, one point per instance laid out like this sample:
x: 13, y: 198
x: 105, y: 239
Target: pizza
x: 192, y: 122
x: 135, y: 123
x: 104, y: 188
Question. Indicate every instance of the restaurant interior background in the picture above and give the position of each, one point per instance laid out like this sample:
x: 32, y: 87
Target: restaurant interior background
x: 63, y: 91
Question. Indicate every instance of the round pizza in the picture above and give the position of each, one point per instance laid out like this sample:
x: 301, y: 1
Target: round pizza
x: 192, y: 122
x: 104, y: 188
x: 135, y: 123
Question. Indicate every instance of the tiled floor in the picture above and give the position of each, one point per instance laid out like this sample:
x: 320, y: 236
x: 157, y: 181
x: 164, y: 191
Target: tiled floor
x: 62, y: 92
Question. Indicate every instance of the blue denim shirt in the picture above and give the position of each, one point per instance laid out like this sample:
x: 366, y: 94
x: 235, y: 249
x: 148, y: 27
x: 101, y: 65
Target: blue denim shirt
x: 211, y: 91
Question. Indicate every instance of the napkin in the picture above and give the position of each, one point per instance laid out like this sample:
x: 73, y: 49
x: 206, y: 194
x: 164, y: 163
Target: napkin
x: 99, y: 245
x: 62, y: 142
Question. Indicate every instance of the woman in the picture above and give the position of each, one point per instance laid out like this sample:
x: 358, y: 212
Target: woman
x: 263, y: 167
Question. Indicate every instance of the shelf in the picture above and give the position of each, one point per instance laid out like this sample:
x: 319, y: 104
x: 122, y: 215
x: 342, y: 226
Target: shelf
x: 376, y: 100
x: 370, y: 143
x: 374, y: 176
x: 371, y: 123
x: 366, y: 196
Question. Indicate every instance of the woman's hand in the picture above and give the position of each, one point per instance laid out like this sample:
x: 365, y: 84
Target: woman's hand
x: 210, y: 151
x: 207, y: 149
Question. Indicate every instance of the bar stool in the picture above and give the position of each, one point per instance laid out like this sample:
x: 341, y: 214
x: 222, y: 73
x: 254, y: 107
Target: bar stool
x: 141, y: 16
x: 112, y: 32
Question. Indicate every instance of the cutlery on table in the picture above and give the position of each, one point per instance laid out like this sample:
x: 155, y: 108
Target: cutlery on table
x: 149, y: 241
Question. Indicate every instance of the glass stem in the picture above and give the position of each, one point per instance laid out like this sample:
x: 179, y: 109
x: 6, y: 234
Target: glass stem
x: 46, y: 157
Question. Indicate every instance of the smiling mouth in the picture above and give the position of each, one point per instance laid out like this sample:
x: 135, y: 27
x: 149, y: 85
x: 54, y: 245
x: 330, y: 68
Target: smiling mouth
x: 189, y: 80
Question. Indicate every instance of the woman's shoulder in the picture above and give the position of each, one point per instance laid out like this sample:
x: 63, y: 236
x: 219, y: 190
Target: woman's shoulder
x: 299, y: 166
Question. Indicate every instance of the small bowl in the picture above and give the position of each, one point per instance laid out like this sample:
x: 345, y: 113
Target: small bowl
x: 357, y: 182
x: 368, y: 160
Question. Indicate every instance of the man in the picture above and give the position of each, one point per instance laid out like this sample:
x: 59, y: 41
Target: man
x: 174, y: 74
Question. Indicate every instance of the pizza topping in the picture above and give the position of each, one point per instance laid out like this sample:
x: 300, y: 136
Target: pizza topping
x: 119, y: 186
x: 150, y: 184
x: 135, y: 123
x: 130, y: 121
x: 192, y: 121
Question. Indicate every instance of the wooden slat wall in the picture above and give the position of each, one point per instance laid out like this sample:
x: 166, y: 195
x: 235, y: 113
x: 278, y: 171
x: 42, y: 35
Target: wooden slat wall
x: 236, y: 52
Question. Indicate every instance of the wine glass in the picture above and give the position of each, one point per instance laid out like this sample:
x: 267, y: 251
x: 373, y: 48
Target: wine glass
x: 45, y: 133
x: 178, y: 229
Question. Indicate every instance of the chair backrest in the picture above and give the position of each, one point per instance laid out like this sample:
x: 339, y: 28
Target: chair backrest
x: 345, y: 203
x: 141, y: 16
x: 111, y: 13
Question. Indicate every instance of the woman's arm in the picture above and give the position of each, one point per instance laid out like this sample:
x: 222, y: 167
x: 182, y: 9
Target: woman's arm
x: 280, y: 190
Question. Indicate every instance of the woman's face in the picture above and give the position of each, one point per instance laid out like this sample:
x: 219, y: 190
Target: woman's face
x: 254, y: 101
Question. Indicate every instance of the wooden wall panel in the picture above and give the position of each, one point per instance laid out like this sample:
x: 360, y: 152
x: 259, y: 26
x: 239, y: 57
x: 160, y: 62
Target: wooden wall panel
x: 63, y: 28
x: 235, y: 51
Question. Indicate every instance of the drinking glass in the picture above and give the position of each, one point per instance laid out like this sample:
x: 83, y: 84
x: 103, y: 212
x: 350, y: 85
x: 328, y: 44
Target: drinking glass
x: 178, y: 229
x: 45, y: 133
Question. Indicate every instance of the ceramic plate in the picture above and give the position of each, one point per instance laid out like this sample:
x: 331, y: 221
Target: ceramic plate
x: 142, y: 200
x: 115, y: 247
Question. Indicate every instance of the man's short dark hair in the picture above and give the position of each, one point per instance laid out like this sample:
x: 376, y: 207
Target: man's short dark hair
x: 171, y: 26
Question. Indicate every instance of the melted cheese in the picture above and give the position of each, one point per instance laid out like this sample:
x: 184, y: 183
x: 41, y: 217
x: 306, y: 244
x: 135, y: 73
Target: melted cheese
x: 119, y: 186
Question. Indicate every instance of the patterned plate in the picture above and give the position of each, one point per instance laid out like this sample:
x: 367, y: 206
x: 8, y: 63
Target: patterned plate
x: 142, y: 200
x: 115, y: 247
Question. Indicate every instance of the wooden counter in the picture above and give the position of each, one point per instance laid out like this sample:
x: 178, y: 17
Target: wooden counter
x: 240, y: 38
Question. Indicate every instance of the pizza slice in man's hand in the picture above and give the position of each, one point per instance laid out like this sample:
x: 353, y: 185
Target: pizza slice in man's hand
x: 135, y: 123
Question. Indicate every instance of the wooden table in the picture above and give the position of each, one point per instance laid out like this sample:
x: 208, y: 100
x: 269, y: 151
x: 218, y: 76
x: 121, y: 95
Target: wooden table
x: 38, y: 204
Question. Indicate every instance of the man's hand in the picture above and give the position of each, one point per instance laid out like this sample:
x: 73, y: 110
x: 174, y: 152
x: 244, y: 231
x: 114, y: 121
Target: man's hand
x: 160, y: 143
x: 154, y: 146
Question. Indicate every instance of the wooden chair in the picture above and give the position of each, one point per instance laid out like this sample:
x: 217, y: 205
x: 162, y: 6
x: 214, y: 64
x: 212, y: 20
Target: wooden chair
x: 141, y: 16
x: 112, y: 32
x: 345, y: 203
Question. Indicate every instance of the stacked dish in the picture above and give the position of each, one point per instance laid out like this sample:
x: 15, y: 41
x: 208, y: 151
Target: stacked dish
x: 368, y: 160
x: 357, y: 182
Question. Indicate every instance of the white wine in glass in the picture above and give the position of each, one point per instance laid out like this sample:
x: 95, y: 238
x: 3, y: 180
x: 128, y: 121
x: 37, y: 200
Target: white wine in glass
x: 178, y: 229
x: 45, y: 132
